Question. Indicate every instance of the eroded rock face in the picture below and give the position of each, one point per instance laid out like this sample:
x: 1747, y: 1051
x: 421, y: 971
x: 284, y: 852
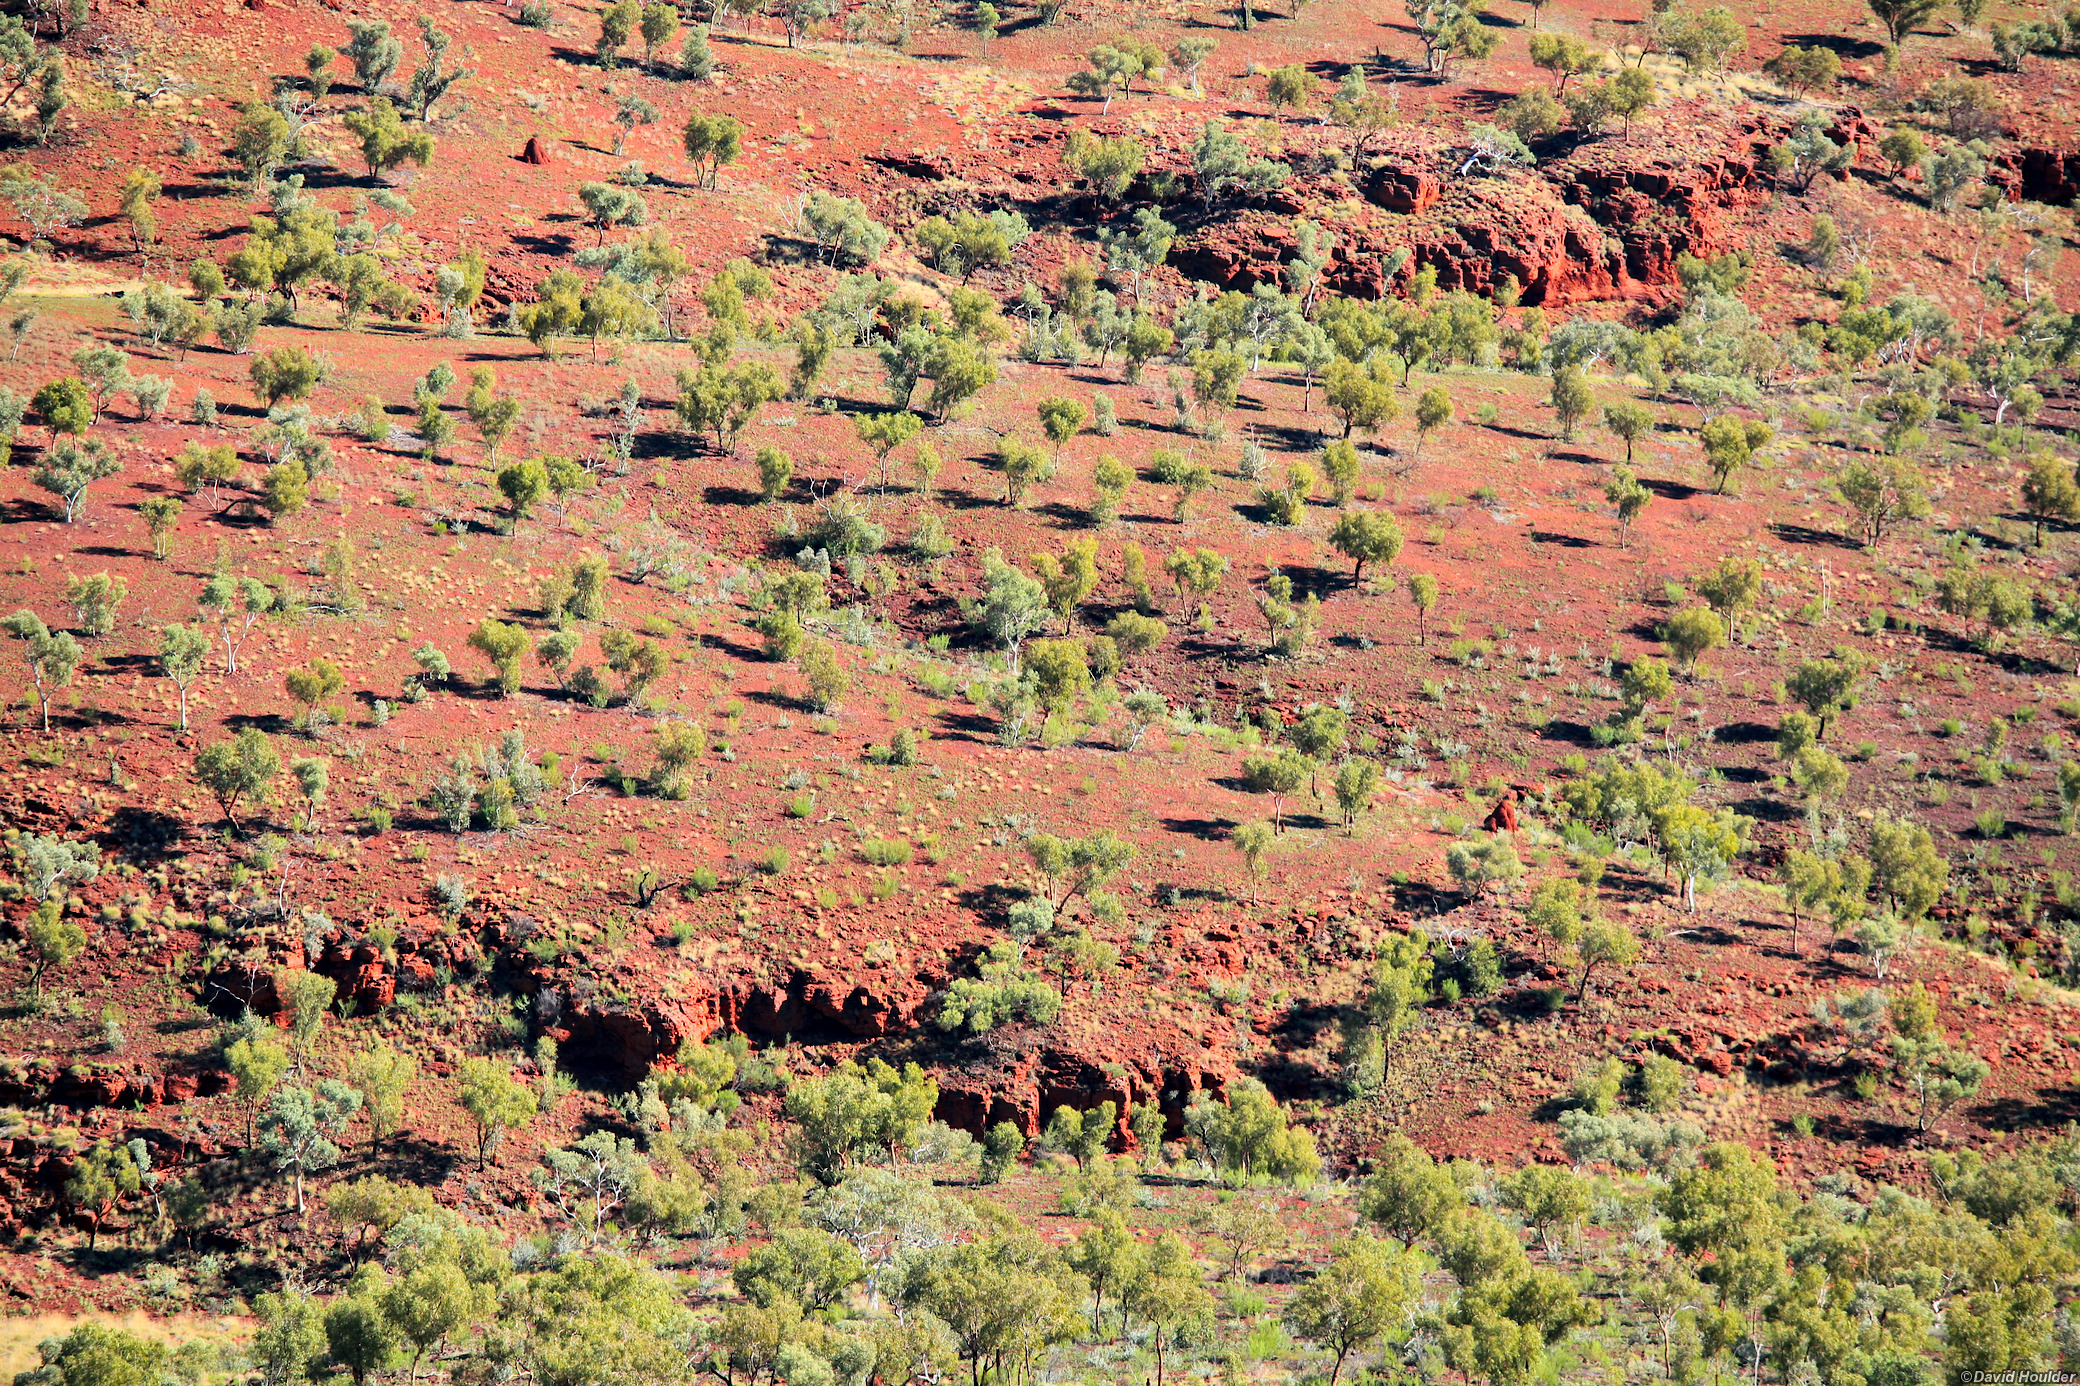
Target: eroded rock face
x: 1019, y: 1077
x: 806, y: 1004
x: 1606, y: 220
x: 85, y: 1086
x: 1029, y: 1090
x: 2039, y: 174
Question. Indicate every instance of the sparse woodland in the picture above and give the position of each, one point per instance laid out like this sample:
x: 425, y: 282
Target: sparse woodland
x: 827, y: 694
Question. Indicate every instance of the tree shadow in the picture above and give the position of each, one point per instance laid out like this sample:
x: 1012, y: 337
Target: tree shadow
x: 1840, y: 45
x: 556, y: 247
x: 1292, y: 438
x: 732, y: 495
x: 1768, y: 810
x: 1205, y: 829
x: 734, y: 648
x: 1292, y: 1079
x: 414, y: 1159
x: 2055, y: 1108
x: 1070, y: 516
x: 146, y: 835
x: 1819, y: 538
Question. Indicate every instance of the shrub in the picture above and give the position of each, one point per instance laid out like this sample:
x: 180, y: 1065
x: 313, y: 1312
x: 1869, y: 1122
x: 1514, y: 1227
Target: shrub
x: 885, y: 851
x: 775, y: 861
x: 827, y: 679
x: 1003, y: 992
x: 775, y: 473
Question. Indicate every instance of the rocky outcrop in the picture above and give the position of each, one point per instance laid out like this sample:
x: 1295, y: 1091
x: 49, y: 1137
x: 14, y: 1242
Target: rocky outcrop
x: 1021, y: 1077
x: 1029, y: 1088
x: 2039, y: 174
x: 1605, y: 220
x: 626, y: 1038
x: 87, y: 1085
x: 365, y: 972
x: 241, y: 984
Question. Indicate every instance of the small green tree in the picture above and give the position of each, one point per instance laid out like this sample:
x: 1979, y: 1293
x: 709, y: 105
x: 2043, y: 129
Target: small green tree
x: 1573, y: 402
x: 1689, y: 634
x: 2049, y: 492
x: 1630, y: 421
x: 312, y: 685
x: 1366, y: 536
x: 495, y: 1102
x: 1628, y: 497
x: 1902, y: 17
x: 1002, y: 1144
x: 1731, y: 588
x: 659, y: 24
x: 297, y: 1131
x: 49, y: 657
x: 1167, y: 1295
x: 434, y: 1301
x: 1825, y: 687
x: 306, y: 999
x: 523, y: 484
x: 505, y: 645
x: 775, y: 473
x: 1731, y: 443
x: 1357, y: 783
x: 1935, y: 1072
x: 71, y: 465
x: 884, y: 433
x: 1603, y: 943
x: 1422, y: 595
x: 1433, y: 411
x: 617, y: 23
x: 1247, y: 1137
x: 712, y: 142
x: 494, y: 414
x: 160, y: 514
x: 53, y: 941
x: 106, y: 1174
x: 385, y: 141
x: 256, y: 1063
x: 289, y: 1337
x: 1277, y: 776
x: 286, y: 489
x: 358, y: 1332
x: 65, y: 405
x: 1081, y: 1135
x: 1060, y: 419
x: 1287, y: 88
x: 1366, y: 1291
x: 384, y: 1075
x: 243, y: 768
x: 1253, y: 840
